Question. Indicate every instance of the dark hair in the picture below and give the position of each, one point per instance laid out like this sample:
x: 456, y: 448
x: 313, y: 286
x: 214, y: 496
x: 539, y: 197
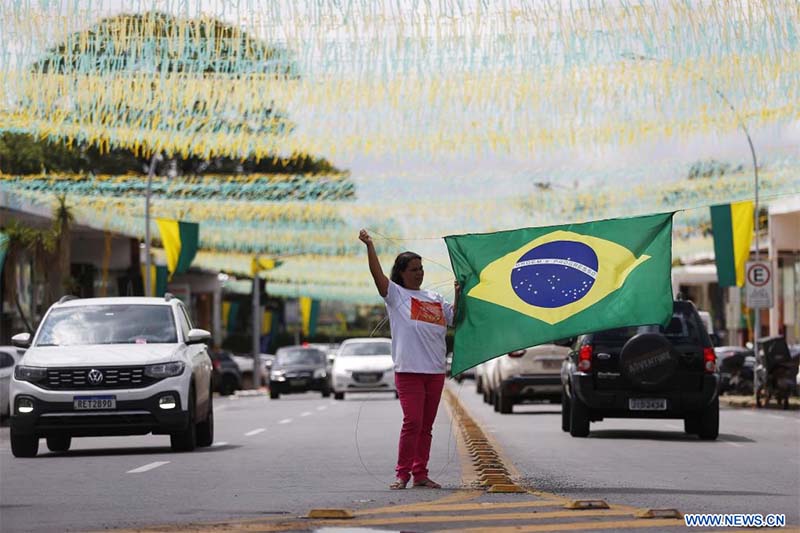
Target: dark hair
x: 400, y: 264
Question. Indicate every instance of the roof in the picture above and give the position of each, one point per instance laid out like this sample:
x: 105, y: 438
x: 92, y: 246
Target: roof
x: 116, y: 300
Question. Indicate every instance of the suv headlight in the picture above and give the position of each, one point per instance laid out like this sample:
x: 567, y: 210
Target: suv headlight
x: 320, y: 373
x: 278, y: 374
x: 30, y: 373
x: 164, y: 370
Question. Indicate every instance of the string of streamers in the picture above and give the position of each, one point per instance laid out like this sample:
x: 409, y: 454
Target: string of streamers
x: 262, y: 77
x: 447, y: 117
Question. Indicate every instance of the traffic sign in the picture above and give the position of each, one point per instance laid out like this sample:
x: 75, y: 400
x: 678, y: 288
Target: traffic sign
x: 758, y: 284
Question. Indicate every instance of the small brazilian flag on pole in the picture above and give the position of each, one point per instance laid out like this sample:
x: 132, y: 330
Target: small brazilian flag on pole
x: 732, y: 225
x: 180, y: 243
x: 531, y: 286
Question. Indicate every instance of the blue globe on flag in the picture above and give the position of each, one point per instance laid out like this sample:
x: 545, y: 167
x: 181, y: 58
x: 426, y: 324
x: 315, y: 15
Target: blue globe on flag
x: 555, y: 274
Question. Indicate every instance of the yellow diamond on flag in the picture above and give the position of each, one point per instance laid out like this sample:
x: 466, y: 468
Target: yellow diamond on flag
x: 556, y: 275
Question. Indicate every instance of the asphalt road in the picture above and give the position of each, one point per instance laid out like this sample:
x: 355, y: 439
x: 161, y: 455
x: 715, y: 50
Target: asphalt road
x: 270, y: 458
x: 754, y: 466
x: 273, y: 461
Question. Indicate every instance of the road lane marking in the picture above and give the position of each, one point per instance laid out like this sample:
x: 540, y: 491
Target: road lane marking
x: 738, y: 445
x: 219, y: 444
x: 775, y: 416
x: 147, y: 467
x: 254, y: 432
x: 307, y: 413
x: 285, y: 421
x: 322, y: 407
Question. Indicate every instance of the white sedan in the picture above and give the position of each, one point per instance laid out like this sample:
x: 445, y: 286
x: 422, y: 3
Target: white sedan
x: 363, y: 365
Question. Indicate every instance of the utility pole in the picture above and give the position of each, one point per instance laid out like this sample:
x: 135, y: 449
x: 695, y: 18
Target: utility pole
x: 147, y: 281
x: 256, y: 331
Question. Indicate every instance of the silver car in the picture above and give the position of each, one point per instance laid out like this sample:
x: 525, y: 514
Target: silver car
x: 363, y: 365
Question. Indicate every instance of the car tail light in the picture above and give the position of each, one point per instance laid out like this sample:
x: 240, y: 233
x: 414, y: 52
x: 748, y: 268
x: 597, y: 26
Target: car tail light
x: 216, y: 363
x: 516, y: 353
x: 709, y: 360
x: 585, y: 358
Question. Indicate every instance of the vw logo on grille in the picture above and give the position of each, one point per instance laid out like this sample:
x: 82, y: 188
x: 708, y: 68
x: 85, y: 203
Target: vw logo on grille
x: 95, y: 376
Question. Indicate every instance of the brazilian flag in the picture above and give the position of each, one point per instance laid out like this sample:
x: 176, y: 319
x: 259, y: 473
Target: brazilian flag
x: 180, y: 243
x: 531, y: 286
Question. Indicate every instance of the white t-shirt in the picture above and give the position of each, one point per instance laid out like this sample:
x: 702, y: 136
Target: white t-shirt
x: 418, y: 320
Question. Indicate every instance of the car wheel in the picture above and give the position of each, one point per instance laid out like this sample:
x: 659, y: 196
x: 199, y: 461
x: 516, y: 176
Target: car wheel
x: 273, y: 394
x: 24, y: 445
x: 505, y: 405
x: 186, y: 440
x: 228, y: 385
x: 205, y: 429
x: 338, y: 396
x: 326, y: 392
x: 59, y: 443
x: 488, y: 396
x: 564, y: 410
x: 709, y: 422
x: 691, y: 425
x: 496, y: 402
x: 578, y: 418
x: 478, y: 385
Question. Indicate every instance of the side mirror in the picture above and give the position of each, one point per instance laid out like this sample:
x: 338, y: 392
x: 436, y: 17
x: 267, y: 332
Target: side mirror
x: 198, y: 336
x: 21, y: 340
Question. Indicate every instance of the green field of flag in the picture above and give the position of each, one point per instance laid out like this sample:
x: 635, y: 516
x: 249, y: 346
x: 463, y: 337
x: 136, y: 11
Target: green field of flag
x: 531, y: 286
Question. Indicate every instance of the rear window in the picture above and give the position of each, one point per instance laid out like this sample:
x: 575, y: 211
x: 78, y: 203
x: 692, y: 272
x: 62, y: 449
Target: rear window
x: 300, y: 356
x: 108, y: 324
x: 367, y: 348
x: 683, y: 327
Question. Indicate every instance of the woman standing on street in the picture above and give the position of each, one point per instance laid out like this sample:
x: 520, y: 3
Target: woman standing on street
x: 418, y: 320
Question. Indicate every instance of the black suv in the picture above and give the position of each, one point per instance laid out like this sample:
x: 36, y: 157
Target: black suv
x: 643, y: 372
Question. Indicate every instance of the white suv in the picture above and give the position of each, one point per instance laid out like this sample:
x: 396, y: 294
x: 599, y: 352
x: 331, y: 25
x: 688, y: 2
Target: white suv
x: 112, y: 366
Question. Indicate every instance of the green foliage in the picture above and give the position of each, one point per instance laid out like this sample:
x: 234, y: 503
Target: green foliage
x: 209, y: 47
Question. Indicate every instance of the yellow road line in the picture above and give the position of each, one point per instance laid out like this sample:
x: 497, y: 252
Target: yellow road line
x: 494, y: 517
x: 576, y: 526
x: 480, y: 506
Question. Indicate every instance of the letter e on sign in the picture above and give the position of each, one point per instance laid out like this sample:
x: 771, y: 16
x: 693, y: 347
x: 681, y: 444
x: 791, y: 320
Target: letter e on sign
x: 758, y: 284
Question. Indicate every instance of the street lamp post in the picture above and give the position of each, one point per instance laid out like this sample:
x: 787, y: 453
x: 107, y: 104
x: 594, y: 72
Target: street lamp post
x: 150, y: 172
x: 756, y: 224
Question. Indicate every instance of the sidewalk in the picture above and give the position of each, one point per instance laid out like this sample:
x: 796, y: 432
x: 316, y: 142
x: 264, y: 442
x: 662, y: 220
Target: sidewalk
x: 750, y: 401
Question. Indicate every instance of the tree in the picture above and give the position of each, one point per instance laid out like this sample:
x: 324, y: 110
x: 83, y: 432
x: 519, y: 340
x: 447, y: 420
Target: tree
x: 208, y: 47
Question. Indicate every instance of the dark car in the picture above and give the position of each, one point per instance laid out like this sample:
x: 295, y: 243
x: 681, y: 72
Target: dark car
x: 299, y: 369
x: 644, y: 372
x: 226, y: 376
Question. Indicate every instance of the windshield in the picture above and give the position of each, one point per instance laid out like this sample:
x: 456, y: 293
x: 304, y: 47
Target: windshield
x: 300, y: 356
x: 367, y: 348
x: 108, y: 324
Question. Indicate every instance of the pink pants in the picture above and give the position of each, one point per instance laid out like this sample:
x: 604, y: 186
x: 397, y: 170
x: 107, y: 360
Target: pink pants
x: 419, y: 398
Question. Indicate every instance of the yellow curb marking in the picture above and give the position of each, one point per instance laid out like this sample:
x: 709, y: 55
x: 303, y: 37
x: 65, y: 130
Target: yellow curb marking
x: 330, y: 513
x: 576, y: 526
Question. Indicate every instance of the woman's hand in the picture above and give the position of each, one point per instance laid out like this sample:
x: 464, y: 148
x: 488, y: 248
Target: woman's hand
x: 364, y: 237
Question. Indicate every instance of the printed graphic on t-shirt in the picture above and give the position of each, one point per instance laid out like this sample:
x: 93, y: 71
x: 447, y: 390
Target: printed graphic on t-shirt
x: 431, y: 312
